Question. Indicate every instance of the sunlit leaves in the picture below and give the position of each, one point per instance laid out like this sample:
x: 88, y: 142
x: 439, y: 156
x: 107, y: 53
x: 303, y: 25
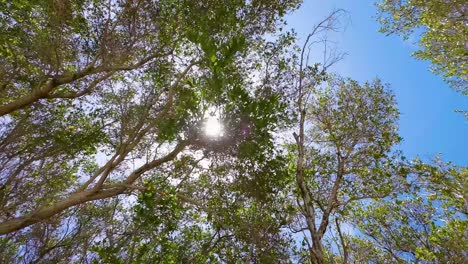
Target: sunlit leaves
x: 426, y: 220
x: 110, y: 86
x: 441, y: 28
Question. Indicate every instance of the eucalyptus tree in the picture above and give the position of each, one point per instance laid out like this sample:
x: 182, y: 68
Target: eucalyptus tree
x: 96, y: 95
x: 441, y: 29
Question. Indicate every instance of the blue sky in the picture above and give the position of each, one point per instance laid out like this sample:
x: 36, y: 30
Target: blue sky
x: 428, y: 123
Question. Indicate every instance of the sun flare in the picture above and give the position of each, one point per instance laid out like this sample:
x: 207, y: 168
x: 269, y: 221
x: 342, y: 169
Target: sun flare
x: 213, y: 127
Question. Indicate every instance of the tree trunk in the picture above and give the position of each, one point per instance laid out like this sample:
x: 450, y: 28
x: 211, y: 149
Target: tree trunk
x: 316, y: 253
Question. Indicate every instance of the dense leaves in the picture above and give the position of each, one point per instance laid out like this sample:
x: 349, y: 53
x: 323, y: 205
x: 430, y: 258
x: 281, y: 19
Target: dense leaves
x: 105, y: 157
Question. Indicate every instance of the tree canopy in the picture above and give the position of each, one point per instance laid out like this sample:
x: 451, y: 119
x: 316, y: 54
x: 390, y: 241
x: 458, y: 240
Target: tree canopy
x: 105, y: 155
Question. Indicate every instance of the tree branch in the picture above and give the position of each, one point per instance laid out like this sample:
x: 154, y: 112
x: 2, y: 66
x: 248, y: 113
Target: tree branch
x: 81, y: 197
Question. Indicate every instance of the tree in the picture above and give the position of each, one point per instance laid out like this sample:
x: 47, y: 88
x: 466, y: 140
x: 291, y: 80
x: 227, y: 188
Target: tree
x: 349, y: 177
x: 127, y: 80
x: 426, y: 221
x: 104, y: 157
x: 346, y: 154
x: 443, y: 33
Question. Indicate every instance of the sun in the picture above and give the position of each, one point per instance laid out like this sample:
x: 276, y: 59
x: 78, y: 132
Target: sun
x: 213, y: 128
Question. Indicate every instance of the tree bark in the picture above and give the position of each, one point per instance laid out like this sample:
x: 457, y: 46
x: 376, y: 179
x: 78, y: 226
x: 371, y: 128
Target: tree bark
x: 316, y: 252
x: 44, y: 90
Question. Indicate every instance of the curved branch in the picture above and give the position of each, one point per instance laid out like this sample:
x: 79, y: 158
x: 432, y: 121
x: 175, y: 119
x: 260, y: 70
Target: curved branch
x: 45, y: 90
x: 81, y: 197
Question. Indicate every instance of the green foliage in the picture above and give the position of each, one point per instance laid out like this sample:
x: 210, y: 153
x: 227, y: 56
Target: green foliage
x: 427, y: 219
x: 103, y: 158
x: 365, y: 251
x: 353, y: 126
x: 348, y: 155
x: 442, y: 29
x: 93, y: 96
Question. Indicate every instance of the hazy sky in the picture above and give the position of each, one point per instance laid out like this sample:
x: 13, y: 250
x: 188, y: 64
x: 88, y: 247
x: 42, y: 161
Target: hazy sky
x: 428, y: 123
